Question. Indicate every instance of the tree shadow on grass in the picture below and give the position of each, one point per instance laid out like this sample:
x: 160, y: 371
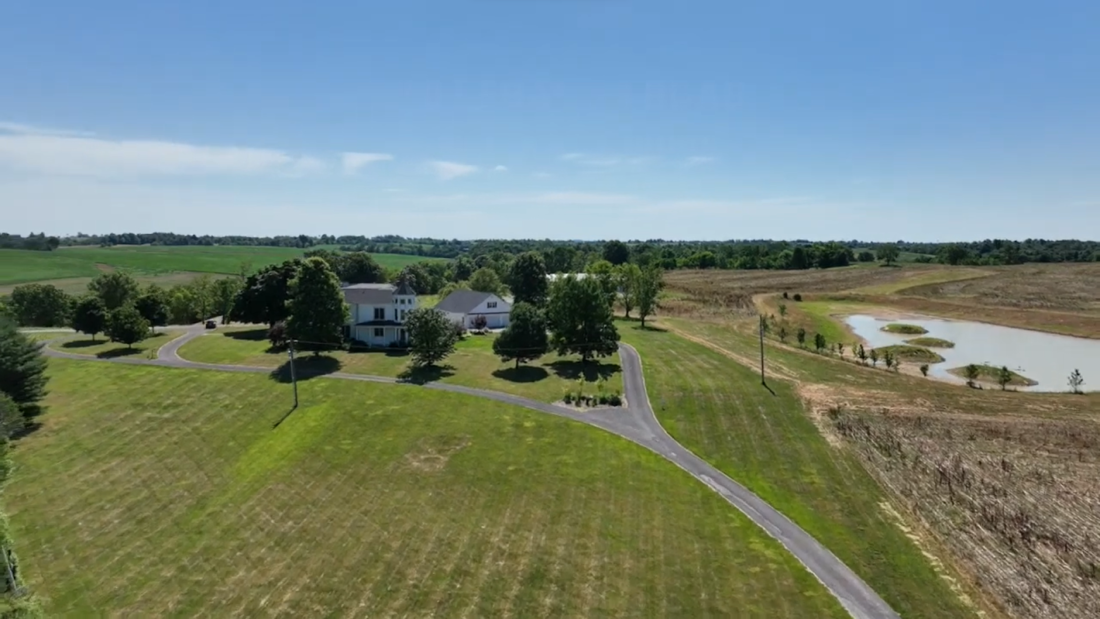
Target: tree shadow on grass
x: 306, y: 367
x: 591, y: 371
x: 118, y: 352
x: 522, y: 374
x: 425, y: 374
x: 82, y: 343
x: 389, y: 352
x: 29, y: 428
x: 638, y: 326
x: 252, y: 335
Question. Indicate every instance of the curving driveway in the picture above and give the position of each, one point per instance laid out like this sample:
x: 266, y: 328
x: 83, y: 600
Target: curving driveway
x: 637, y: 423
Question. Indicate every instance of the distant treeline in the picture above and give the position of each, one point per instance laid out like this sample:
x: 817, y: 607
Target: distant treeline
x: 36, y: 242
x: 575, y: 255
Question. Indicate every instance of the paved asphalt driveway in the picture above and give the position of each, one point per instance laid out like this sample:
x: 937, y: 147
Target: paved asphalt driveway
x: 636, y: 423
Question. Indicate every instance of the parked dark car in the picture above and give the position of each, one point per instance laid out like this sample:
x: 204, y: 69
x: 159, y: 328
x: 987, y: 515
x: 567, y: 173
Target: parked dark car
x: 210, y: 324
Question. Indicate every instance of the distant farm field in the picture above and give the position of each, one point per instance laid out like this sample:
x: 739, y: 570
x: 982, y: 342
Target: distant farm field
x: 153, y: 492
x: 76, y: 263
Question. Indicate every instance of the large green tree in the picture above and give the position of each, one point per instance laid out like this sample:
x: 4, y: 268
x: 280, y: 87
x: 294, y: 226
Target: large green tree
x: 116, y: 289
x: 222, y: 294
x: 616, y: 252
x: 22, y: 368
x: 153, y: 306
x: 528, y: 279
x: 183, y: 305
x: 486, y: 279
x: 317, y: 309
x: 606, y: 276
x: 41, y: 305
x: 646, y: 290
x: 432, y: 337
x: 560, y: 259
x: 888, y: 253
x: 358, y: 267
x: 525, y: 339
x: 125, y: 324
x: 462, y: 269
x: 581, y: 319
x: 89, y: 316
x: 263, y: 300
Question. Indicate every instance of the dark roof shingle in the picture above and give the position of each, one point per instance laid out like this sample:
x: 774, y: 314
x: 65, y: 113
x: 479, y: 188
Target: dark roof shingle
x: 462, y: 301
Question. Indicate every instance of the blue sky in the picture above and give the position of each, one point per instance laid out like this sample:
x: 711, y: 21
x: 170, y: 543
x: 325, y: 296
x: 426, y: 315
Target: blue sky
x: 921, y: 120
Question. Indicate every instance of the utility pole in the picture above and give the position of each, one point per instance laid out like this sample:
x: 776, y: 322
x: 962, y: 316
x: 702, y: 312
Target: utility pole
x: 762, y: 381
x: 293, y: 376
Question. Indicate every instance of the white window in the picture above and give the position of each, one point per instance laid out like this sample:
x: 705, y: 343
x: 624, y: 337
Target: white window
x: 402, y: 314
x: 491, y: 304
x: 379, y: 313
x: 378, y: 332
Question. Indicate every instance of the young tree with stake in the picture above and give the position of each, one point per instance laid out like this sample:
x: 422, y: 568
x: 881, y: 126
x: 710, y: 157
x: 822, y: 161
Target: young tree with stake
x: 972, y: 373
x: 1075, y: 381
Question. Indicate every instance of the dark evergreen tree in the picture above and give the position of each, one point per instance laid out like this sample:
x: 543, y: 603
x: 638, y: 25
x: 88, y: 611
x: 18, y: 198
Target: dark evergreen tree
x: 22, y: 369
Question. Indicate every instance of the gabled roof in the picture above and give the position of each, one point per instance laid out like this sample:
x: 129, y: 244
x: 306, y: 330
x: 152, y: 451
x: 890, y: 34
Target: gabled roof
x: 463, y: 301
x: 369, y: 294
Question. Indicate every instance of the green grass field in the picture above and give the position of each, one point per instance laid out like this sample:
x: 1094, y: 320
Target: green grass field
x: 473, y: 364
x: 42, y: 336
x: 162, y: 492
x: 19, y: 266
x: 717, y: 408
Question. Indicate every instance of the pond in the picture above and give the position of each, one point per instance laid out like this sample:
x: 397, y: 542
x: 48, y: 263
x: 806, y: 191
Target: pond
x: 1043, y: 357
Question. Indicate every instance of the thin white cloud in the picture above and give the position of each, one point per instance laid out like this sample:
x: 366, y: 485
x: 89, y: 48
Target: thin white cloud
x: 590, y: 160
x: 542, y: 175
x: 354, y: 161
x: 97, y: 157
x: 23, y: 129
x: 698, y: 160
x: 303, y: 166
x: 602, y: 161
x: 447, y: 170
x: 500, y: 168
x: 580, y: 198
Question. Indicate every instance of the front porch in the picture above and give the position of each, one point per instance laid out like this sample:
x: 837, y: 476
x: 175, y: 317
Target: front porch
x: 377, y: 333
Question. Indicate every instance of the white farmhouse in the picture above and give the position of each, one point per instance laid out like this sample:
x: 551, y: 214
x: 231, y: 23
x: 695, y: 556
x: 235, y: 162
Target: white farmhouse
x: 464, y: 306
x: 377, y: 312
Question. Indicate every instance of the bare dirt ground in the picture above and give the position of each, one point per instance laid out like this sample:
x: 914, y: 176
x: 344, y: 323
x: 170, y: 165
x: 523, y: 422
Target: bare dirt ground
x: 1074, y: 287
x: 1015, y: 499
